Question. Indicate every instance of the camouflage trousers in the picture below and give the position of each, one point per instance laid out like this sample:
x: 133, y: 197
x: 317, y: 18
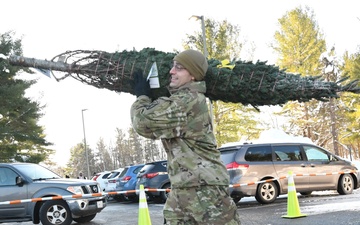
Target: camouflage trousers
x: 205, y: 205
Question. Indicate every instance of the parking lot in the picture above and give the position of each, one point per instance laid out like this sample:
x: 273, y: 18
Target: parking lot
x: 326, y: 207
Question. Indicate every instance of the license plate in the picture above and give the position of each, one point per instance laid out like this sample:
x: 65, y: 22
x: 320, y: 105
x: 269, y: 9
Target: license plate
x: 100, y: 204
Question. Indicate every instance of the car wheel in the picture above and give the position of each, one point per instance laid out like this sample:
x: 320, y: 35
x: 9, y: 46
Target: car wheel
x: 236, y: 199
x: 346, y: 184
x: 164, y: 194
x: 266, y: 192
x: 55, y: 212
x: 84, y: 219
x: 120, y: 198
x: 305, y: 193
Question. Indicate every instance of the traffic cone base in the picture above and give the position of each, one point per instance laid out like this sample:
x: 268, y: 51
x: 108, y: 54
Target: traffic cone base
x: 293, y: 209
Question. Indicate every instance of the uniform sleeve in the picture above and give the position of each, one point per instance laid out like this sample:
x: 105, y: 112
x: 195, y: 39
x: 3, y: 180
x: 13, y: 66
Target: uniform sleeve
x: 163, y: 118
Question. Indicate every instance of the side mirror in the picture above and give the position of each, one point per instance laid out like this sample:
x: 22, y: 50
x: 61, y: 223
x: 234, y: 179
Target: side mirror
x: 19, y: 181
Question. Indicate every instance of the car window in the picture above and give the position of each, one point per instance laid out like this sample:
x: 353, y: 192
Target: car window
x: 137, y: 169
x: 35, y: 171
x: 316, y: 154
x: 288, y: 153
x: 260, y: 153
x: 228, y: 156
x: 7, y: 177
x: 106, y: 175
x: 147, y: 167
x: 164, y: 164
x: 124, y: 172
x: 113, y: 174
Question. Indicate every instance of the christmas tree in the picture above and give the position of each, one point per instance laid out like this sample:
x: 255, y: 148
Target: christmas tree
x: 242, y: 82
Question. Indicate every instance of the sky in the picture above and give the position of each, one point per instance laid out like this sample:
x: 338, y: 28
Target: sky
x: 48, y: 28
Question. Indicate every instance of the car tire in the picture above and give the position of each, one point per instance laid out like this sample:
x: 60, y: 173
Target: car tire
x: 266, y: 192
x: 346, y: 184
x: 236, y: 199
x: 164, y: 194
x: 55, y: 212
x: 120, y: 198
x: 85, y: 219
x: 305, y: 193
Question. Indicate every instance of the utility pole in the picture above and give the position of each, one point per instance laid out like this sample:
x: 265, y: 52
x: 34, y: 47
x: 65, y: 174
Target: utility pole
x: 86, y: 152
x: 203, y: 33
x: 205, y: 52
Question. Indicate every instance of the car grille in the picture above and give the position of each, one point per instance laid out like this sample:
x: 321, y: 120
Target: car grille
x: 88, y: 189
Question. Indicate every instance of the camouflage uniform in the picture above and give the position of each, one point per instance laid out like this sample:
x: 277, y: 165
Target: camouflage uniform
x: 199, y: 180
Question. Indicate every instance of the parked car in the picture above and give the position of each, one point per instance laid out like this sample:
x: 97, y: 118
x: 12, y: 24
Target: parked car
x: 110, y: 182
x: 249, y: 163
x: 154, y: 175
x: 19, y: 181
x: 127, y: 181
x: 101, y: 178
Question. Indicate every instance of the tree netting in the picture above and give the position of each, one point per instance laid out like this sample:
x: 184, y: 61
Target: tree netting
x: 247, y: 83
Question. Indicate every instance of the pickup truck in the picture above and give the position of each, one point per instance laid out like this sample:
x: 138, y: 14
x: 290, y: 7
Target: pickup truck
x: 37, y: 186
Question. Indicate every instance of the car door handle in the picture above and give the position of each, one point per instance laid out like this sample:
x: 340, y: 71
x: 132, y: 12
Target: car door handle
x: 302, y: 165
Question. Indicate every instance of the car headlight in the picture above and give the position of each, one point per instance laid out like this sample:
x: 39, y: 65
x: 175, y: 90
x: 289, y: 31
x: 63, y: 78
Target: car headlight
x: 75, y: 189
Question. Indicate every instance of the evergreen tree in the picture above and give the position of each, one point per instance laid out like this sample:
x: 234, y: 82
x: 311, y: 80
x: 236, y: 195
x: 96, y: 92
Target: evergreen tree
x: 21, y: 138
x: 232, y: 121
x: 301, y: 49
x: 351, y: 135
x: 299, y: 44
x: 77, y: 161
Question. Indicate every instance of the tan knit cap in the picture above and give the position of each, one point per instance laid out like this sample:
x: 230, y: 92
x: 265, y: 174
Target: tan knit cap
x: 194, y: 61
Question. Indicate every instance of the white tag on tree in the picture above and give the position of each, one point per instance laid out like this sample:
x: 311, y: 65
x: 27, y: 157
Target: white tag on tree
x: 153, y: 76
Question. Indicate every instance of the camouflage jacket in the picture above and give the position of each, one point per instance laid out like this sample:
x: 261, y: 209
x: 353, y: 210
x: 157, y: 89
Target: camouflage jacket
x: 183, y: 124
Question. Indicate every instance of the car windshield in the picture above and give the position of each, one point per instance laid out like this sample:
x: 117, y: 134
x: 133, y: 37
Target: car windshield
x: 147, y: 167
x: 113, y: 174
x: 36, y: 172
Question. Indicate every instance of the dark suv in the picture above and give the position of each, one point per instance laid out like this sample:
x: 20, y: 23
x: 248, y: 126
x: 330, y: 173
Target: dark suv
x: 154, y: 175
x: 252, y: 163
x: 127, y: 182
x: 20, y: 181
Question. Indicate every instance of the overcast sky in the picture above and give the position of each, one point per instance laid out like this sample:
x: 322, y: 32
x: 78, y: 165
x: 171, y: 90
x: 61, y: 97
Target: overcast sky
x: 49, y: 28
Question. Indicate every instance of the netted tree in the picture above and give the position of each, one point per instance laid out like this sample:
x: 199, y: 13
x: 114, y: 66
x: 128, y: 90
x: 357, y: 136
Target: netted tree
x: 248, y: 83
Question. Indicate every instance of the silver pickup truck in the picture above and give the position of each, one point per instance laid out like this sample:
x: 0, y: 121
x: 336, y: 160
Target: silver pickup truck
x: 25, y: 181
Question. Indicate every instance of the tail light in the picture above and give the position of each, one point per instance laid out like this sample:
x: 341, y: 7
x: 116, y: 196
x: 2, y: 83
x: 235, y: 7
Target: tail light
x: 235, y: 165
x: 126, y: 179
x: 151, y: 175
x: 95, y: 177
x: 112, y: 181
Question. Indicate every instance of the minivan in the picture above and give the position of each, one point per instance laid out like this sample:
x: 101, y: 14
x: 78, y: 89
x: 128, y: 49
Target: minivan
x: 317, y: 169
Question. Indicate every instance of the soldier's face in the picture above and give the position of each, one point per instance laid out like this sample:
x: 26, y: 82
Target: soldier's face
x: 179, y: 76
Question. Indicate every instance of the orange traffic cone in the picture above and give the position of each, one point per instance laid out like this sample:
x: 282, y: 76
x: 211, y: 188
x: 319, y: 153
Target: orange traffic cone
x: 144, y: 216
x: 293, y: 209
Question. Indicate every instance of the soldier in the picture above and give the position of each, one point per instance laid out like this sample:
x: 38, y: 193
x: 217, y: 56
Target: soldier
x: 199, y: 180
